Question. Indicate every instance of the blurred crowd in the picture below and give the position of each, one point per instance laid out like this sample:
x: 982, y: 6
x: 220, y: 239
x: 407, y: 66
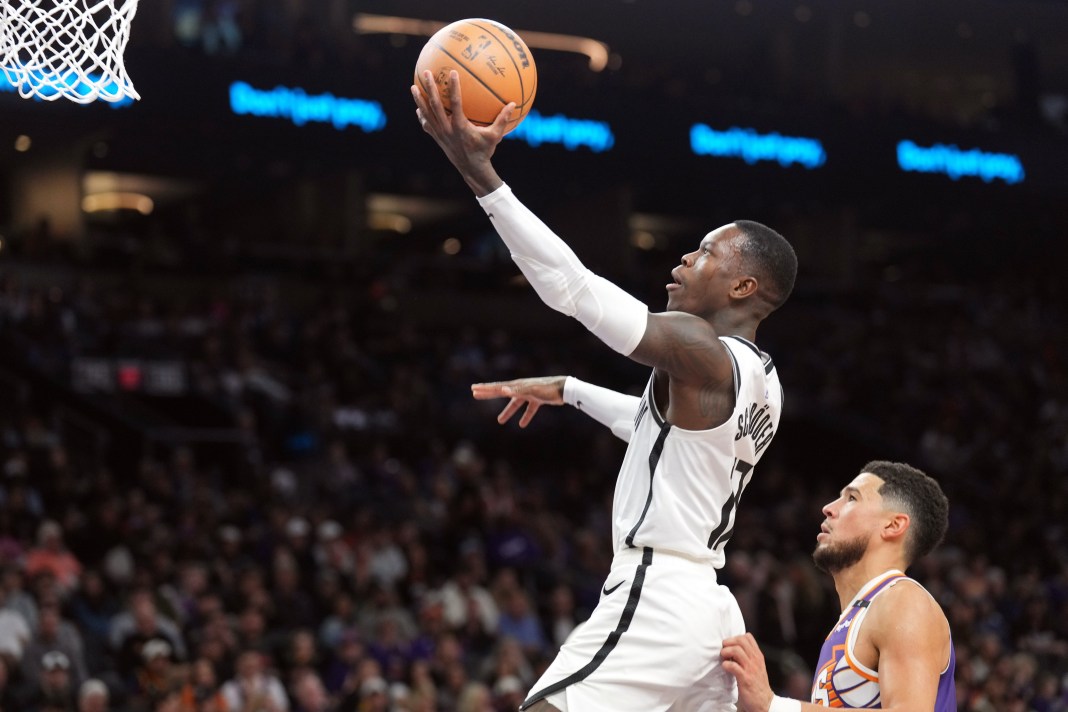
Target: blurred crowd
x: 373, y: 540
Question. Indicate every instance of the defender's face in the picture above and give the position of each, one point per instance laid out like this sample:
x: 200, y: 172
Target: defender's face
x: 856, y: 513
x: 701, y: 284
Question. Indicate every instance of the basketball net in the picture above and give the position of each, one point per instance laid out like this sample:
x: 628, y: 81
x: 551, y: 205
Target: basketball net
x: 68, y: 48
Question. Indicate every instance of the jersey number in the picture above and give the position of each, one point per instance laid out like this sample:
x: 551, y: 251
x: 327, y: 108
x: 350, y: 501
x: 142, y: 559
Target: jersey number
x: 721, y: 533
x: 819, y: 690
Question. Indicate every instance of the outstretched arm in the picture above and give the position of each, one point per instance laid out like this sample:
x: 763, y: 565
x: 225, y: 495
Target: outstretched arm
x: 614, y: 410
x: 550, y: 266
x: 683, y: 345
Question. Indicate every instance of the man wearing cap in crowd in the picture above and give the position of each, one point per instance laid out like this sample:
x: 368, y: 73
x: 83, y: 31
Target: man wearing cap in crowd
x: 374, y: 695
x: 93, y: 696
x: 54, y: 633
x: 156, y: 677
x: 54, y: 688
x: 139, y: 623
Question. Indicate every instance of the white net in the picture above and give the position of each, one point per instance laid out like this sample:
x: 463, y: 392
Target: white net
x: 68, y: 48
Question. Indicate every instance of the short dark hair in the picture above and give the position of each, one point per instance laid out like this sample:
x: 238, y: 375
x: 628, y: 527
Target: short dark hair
x: 918, y: 495
x: 771, y: 257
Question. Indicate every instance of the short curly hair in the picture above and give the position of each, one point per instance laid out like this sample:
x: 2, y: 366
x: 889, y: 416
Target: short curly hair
x: 771, y: 256
x: 918, y: 495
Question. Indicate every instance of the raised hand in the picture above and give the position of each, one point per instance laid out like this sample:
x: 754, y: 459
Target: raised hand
x: 532, y: 392
x: 467, y: 146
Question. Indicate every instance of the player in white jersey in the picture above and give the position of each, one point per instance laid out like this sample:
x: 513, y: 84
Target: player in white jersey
x: 709, y: 411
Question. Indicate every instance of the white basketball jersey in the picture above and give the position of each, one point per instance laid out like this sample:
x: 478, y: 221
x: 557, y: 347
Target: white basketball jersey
x: 678, y: 489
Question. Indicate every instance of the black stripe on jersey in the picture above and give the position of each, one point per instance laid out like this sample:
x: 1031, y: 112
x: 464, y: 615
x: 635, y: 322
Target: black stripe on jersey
x: 654, y: 459
x: 737, y: 376
x: 654, y: 407
x: 610, y: 642
x: 747, y: 342
x: 642, y: 410
x: 768, y: 365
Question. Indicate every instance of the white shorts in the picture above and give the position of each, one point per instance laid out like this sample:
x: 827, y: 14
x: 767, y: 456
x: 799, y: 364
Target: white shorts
x: 651, y: 644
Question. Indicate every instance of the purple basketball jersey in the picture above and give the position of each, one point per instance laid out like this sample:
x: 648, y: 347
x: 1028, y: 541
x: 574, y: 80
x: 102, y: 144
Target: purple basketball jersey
x: 841, y: 681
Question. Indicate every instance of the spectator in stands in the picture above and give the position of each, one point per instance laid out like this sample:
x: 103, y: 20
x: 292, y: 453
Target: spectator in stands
x: 519, y: 621
x: 253, y: 687
x: 139, y: 623
x: 93, y: 696
x: 561, y: 619
x: 54, y: 634
x: 309, y: 695
x: 293, y: 607
x: 469, y: 607
x: 475, y: 697
x: 508, y: 661
x: 9, y: 693
x: 200, y: 692
x: 51, y: 556
x: 374, y: 695
x: 92, y: 609
x: 301, y: 653
x: 342, y: 618
x: 157, y: 678
x: 15, y: 632
x: 508, y: 693
x: 53, y: 689
x: 15, y: 597
x: 251, y: 629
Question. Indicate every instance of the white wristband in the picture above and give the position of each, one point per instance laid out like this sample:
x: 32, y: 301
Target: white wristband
x: 614, y: 410
x: 784, y: 704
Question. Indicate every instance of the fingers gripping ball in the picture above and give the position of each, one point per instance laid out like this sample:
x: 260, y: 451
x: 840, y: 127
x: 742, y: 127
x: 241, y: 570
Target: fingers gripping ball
x: 494, y: 64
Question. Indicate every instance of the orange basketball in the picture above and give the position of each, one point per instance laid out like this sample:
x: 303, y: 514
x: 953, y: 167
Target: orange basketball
x: 494, y: 64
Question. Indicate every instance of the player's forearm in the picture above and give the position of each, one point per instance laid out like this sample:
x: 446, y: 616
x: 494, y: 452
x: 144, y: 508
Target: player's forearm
x: 560, y: 279
x: 614, y: 410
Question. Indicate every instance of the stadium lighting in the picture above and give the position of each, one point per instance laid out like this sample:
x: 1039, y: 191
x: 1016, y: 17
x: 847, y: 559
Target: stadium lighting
x: 596, y: 52
x: 115, y: 200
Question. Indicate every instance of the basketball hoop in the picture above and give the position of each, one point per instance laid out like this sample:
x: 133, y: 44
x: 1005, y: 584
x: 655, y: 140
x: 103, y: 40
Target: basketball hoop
x: 68, y: 48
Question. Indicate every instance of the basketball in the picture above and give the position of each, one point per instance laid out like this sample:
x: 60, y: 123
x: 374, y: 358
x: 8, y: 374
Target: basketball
x: 494, y: 64
x: 855, y: 688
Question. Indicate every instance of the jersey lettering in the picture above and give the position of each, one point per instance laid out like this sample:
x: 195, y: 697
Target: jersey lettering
x: 755, y: 421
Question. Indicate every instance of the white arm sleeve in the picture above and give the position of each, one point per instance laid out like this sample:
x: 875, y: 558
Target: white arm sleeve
x: 558, y: 277
x: 609, y: 408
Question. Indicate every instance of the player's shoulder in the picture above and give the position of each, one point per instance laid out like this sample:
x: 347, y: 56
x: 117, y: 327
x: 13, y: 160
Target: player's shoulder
x: 747, y: 354
x: 743, y: 346
x: 907, y: 605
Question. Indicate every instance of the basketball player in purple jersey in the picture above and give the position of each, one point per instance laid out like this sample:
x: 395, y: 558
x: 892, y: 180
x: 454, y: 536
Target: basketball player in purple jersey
x: 891, y: 648
x: 710, y: 409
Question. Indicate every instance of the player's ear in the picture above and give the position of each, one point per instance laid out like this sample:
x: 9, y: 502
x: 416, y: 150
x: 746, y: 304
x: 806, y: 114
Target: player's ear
x: 744, y: 286
x: 897, y: 526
